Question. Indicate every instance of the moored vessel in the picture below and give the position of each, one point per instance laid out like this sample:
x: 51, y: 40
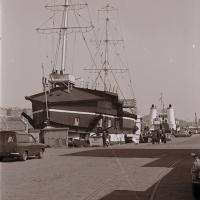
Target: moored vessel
x: 83, y: 110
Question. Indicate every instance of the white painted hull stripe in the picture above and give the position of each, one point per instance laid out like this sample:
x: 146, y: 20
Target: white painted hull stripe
x: 128, y: 118
x: 73, y: 112
x: 82, y: 113
x: 38, y: 111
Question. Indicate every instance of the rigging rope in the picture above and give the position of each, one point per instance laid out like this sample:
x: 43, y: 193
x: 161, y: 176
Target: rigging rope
x: 73, y: 56
x: 57, y: 51
x: 89, y: 13
x: 53, y: 38
x: 84, y: 39
x: 117, y: 54
x: 127, y: 64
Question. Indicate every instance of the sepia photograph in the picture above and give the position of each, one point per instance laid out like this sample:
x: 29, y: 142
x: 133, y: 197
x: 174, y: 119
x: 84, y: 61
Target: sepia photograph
x: 99, y: 99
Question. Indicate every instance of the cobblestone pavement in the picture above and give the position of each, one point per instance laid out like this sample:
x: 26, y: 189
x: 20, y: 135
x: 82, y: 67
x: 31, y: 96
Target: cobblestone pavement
x: 118, y: 172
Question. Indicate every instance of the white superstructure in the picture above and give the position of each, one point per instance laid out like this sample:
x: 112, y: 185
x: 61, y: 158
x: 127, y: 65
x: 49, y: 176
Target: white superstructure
x: 153, y: 114
x: 171, y: 117
x: 164, y: 117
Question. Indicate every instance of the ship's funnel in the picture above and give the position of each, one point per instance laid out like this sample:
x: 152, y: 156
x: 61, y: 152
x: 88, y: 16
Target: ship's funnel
x: 171, y: 117
x: 153, y: 114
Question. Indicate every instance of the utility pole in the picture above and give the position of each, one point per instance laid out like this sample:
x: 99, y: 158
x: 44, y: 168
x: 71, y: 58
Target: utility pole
x: 45, y: 92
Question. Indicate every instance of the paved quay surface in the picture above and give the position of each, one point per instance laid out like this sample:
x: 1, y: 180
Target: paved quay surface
x: 120, y: 172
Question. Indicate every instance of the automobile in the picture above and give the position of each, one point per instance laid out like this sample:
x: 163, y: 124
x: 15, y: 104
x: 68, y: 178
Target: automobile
x: 183, y: 133
x: 195, y: 172
x: 95, y: 140
x: 19, y: 145
x: 128, y: 139
x: 145, y: 137
x: 78, y: 142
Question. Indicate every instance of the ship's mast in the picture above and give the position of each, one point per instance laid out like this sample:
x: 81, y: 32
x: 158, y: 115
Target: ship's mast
x: 46, y: 98
x: 106, y: 64
x: 61, y: 78
x: 106, y: 67
x: 111, y: 52
x: 65, y: 36
x: 162, y: 103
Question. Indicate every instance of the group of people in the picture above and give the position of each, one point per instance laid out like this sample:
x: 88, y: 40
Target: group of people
x: 106, y: 138
x: 159, y: 136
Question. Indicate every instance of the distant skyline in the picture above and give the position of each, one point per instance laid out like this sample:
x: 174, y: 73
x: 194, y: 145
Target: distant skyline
x: 162, y: 39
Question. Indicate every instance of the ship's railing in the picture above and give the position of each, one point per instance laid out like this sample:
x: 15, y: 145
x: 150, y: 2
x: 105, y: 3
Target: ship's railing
x: 59, y: 78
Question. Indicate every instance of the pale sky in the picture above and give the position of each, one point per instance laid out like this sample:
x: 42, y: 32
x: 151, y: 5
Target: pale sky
x: 162, y: 39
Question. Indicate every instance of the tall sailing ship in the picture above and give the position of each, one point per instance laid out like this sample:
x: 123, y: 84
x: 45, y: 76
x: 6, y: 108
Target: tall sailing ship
x: 83, y: 109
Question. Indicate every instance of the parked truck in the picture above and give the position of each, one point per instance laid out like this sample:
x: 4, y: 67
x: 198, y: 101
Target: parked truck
x: 19, y: 145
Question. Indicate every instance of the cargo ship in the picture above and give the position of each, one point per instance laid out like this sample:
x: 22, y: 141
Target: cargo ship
x: 165, y: 117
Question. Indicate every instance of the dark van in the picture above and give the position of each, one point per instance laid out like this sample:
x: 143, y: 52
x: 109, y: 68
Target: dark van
x: 19, y: 145
x: 195, y: 171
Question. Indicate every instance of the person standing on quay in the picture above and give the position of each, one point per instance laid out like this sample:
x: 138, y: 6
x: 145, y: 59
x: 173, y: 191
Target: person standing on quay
x: 104, y: 136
